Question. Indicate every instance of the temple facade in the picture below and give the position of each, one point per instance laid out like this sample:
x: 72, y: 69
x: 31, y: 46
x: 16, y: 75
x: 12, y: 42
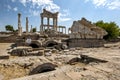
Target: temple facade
x: 48, y: 15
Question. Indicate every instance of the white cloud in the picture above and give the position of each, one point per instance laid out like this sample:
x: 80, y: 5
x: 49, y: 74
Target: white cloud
x: 47, y: 4
x: 9, y: 7
x: 63, y: 16
x: 99, y: 2
x: 34, y: 12
x: 13, y: 0
x: 15, y: 9
x: 110, y: 4
x: 114, y: 5
x: 37, y: 5
x: 23, y: 2
x: 64, y: 19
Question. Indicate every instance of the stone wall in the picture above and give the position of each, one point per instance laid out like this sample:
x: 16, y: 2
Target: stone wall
x: 87, y: 43
x: 9, y: 39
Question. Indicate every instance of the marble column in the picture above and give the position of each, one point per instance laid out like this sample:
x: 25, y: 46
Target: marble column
x: 19, y: 25
x: 59, y: 29
x: 53, y: 23
x: 56, y: 24
x: 65, y: 30
x: 31, y: 30
x: 48, y: 23
x: 27, y: 25
x: 62, y: 29
x: 41, y: 27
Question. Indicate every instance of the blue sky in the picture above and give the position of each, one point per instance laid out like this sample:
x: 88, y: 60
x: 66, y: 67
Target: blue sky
x: 69, y: 10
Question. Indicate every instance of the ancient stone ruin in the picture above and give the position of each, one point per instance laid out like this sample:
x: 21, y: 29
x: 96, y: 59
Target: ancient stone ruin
x: 54, y: 55
x: 85, y: 34
x: 49, y: 15
x: 84, y: 29
x: 54, y: 25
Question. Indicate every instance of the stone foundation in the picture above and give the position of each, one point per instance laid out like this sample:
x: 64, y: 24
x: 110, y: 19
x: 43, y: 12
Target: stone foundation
x: 87, y: 43
x: 9, y: 39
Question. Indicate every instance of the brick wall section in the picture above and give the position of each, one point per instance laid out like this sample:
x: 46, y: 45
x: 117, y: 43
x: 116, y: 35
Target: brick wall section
x: 87, y: 43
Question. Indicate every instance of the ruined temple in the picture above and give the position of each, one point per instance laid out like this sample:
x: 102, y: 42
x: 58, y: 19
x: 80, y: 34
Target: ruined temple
x: 86, y: 30
x: 85, y: 34
x: 48, y: 15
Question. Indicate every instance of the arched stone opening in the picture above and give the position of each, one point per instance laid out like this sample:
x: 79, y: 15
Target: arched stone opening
x: 73, y: 60
x: 46, y: 67
x: 34, y: 45
x: 51, y: 44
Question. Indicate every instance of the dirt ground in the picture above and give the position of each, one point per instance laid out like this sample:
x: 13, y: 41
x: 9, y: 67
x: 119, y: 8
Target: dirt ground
x: 92, y: 71
x: 4, y: 47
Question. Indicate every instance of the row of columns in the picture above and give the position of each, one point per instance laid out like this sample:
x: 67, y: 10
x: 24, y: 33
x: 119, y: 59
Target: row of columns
x: 63, y: 29
x: 20, y: 27
x: 42, y: 27
x: 48, y: 23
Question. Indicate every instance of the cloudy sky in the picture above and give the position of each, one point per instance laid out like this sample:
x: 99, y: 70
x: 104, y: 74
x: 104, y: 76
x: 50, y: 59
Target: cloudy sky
x: 69, y: 10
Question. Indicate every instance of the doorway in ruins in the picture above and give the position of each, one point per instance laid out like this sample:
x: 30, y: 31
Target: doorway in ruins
x: 51, y: 44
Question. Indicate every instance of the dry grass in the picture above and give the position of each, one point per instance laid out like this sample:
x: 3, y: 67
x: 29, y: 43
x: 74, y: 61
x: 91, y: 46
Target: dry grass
x: 10, y: 72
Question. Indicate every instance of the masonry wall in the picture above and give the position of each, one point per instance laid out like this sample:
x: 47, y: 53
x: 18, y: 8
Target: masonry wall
x: 10, y: 39
x: 87, y: 43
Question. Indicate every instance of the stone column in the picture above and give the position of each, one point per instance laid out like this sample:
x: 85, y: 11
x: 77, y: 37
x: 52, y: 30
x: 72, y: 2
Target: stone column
x: 62, y: 29
x: 41, y: 27
x: 31, y: 30
x: 26, y: 24
x: 56, y: 24
x: 53, y: 23
x: 59, y: 29
x: 19, y: 25
x: 44, y: 28
x: 65, y: 30
x: 48, y: 23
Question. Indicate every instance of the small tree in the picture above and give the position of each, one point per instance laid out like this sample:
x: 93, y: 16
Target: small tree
x: 9, y: 28
x: 34, y: 29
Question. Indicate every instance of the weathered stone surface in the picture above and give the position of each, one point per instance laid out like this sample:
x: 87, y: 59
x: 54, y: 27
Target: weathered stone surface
x: 16, y: 67
x: 46, y: 67
x: 87, y: 43
x: 1, y: 77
